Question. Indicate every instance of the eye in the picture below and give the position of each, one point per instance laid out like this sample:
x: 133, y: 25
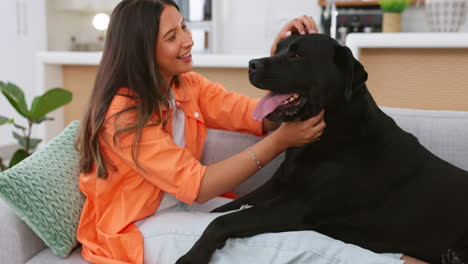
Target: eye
x: 294, y: 52
x: 296, y: 56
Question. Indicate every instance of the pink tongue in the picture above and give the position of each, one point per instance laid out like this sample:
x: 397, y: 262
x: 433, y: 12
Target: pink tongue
x: 268, y: 105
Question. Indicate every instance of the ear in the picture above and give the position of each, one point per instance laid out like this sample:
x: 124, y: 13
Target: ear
x: 355, y: 74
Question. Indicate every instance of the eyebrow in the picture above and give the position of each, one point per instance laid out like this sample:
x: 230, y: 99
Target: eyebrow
x: 167, y: 33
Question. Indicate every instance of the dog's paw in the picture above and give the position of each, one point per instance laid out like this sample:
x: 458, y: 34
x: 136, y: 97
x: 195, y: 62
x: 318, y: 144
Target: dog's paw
x: 191, y: 258
x: 451, y: 258
x: 185, y: 260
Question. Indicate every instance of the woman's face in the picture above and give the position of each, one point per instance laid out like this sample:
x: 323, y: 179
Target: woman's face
x: 174, y: 44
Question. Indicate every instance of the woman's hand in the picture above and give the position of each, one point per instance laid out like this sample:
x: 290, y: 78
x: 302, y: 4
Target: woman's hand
x: 302, y: 25
x: 298, y: 133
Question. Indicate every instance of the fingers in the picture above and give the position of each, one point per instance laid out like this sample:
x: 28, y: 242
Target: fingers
x: 310, y: 24
x: 299, y: 25
x: 313, y: 121
x: 318, y: 125
x: 318, y: 129
x: 303, y: 25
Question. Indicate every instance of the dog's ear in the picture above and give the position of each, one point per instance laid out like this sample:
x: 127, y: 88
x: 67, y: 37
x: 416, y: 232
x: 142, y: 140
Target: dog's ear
x: 355, y: 74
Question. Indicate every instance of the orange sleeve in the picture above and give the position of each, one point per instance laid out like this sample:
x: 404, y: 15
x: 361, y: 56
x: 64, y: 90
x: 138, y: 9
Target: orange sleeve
x: 169, y: 167
x: 226, y: 110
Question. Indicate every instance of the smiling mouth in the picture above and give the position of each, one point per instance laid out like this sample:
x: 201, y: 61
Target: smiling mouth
x: 185, y: 57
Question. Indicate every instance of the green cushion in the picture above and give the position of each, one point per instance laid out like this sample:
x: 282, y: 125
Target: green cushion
x: 43, y: 191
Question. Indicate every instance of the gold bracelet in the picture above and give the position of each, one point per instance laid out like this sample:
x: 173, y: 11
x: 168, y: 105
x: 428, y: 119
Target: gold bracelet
x: 254, y: 158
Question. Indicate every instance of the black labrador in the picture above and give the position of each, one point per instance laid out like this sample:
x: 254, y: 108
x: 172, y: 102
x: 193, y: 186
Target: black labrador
x: 366, y: 182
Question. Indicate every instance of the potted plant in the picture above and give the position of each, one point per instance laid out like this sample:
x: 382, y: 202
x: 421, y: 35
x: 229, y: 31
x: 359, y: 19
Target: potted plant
x: 36, y: 114
x: 392, y: 14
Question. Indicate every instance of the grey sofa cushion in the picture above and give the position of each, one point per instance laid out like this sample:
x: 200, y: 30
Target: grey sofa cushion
x: 19, y: 243
x: 220, y: 145
x: 444, y: 133
x: 46, y: 256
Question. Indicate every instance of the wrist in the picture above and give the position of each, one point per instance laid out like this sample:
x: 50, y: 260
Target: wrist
x: 278, y: 142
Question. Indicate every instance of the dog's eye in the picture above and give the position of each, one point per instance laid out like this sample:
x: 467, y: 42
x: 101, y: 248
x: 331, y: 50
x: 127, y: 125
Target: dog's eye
x: 293, y: 52
x: 295, y: 55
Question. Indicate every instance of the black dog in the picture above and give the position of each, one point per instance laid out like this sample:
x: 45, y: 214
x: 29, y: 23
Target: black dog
x: 366, y: 182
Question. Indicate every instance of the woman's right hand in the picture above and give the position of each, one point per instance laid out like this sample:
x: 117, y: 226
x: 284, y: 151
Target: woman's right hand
x: 298, y: 133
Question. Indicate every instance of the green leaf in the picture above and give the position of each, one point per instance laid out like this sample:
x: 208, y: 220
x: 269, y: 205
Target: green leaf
x: 19, y: 127
x: 5, y: 120
x: 40, y: 120
x: 19, y: 155
x: 33, y: 142
x: 21, y: 139
x: 48, y: 102
x: 15, y: 96
x: 393, y: 6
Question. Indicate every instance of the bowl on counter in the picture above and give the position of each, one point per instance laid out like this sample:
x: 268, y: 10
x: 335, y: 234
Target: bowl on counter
x: 446, y: 15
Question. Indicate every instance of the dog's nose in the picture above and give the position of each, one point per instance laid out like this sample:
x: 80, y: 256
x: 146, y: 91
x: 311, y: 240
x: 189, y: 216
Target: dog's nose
x: 255, y: 65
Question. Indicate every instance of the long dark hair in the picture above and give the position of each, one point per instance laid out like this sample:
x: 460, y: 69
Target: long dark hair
x: 128, y: 60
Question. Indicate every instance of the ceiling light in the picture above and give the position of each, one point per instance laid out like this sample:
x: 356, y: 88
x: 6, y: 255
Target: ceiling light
x: 101, y: 21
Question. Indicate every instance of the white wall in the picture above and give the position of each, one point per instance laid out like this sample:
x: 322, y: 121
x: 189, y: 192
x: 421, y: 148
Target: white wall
x: 241, y: 26
x: 63, y: 24
x: 246, y: 28
x: 18, y: 53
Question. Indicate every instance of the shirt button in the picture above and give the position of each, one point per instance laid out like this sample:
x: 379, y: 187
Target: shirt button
x: 196, y: 114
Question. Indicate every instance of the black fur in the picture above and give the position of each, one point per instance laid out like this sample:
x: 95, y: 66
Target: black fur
x: 366, y: 182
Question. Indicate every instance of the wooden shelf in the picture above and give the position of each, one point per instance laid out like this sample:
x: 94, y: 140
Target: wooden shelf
x: 361, y: 3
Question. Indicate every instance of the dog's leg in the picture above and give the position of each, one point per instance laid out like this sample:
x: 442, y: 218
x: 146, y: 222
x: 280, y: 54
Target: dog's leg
x: 268, y: 191
x: 280, y: 217
x: 262, y: 195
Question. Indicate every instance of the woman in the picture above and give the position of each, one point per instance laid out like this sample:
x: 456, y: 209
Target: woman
x: 140, y: 145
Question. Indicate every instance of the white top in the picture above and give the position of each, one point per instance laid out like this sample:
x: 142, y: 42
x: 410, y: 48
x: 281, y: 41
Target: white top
x: 178, y: 136
x: 178, y: 123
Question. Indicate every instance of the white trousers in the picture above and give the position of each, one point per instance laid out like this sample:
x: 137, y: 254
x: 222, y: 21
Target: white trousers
x: 171, y: 232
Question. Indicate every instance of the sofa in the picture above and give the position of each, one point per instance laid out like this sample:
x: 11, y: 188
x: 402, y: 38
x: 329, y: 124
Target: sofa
x: 442, y: 132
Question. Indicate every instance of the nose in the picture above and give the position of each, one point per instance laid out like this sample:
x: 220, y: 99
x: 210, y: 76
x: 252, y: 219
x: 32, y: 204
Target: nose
x: 255, y: 65
x: 188, y: 41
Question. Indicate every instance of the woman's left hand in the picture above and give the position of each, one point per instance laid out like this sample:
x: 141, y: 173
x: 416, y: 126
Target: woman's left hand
x: 302, y: 25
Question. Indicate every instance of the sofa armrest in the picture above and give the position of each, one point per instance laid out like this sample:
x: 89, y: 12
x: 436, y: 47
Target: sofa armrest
x: 220, y: 145
x: 18, y: 243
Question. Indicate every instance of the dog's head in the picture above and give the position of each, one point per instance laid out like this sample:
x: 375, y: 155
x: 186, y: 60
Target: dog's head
x: 308, y: 73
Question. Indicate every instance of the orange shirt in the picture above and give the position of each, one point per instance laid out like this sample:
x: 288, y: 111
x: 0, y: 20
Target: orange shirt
x: 129, y: 194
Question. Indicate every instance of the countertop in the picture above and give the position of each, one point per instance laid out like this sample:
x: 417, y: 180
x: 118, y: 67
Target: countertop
x: 199, y: 60
x: 357, y: 41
